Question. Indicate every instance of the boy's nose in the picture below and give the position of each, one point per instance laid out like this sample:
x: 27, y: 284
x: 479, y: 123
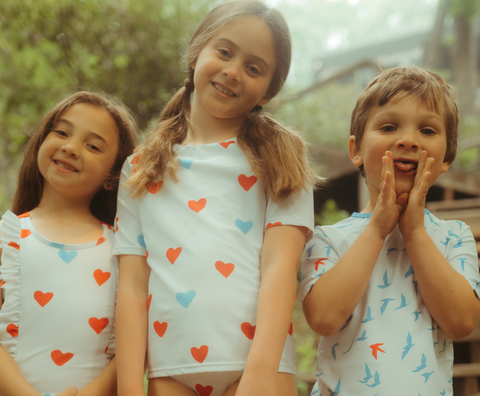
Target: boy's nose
x: 408, y: 141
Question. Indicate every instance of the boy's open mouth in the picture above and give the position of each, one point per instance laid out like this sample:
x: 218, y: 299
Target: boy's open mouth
x: 405, y: 166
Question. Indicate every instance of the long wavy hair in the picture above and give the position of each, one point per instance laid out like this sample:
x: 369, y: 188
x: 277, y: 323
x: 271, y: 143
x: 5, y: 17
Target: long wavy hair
x: 277, y: 154
x: 30, y: 181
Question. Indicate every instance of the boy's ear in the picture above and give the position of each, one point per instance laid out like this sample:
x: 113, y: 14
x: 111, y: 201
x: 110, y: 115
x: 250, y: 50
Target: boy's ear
x: 354, y: 152
x: 445, y: 167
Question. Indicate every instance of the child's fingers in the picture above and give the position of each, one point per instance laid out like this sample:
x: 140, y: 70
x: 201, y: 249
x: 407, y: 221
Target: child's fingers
x: 421, y: 165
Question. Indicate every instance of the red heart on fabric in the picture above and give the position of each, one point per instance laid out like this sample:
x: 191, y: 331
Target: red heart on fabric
x: 42, y: 298
x: 12, y: 329
x: 224, y: 269
x: 270, y: 225
x: 101, y: 277
x: 135, y: 160
x: 172, y: 254
x: 100, y: 241
x: 199, y: 354
x: 149, y: 302
x: 290, y: 329
x: 226, y: 144
x: 22, y: 216
x: 1, y: 284
x: 247, y: 181
x: 60, y: 358
x: 160, y: 328
x: 24, y: 233
x: 15, y: 245
x: 153, y: 188
x: 98, y: 324
x: 248, y: 330
x: 204, y: 390
x: 197, y: 206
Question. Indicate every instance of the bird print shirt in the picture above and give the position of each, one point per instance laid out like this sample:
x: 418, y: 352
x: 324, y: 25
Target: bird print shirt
x: 58, y: 314
x: 390, y: 345
x: 203, y: 238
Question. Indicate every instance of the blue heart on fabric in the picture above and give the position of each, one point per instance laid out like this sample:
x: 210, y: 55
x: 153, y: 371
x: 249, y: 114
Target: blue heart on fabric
x: 67, y: 256
x: 141, y: 241
x: 244, y: 226
x: 186, y: 163
x: 185, y: 299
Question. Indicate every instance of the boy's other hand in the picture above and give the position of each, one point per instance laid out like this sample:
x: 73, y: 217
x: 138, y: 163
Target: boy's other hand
x: 388, y: 207
x: 412, y: 219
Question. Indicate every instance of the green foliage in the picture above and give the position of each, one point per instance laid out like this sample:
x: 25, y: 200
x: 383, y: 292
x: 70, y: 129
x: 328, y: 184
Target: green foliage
x: 463, y: 7
x: 330, y: 214
x: 51, y: 48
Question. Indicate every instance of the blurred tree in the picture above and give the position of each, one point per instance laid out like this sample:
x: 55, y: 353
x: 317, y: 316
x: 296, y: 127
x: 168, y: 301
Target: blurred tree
x: 51, y: 48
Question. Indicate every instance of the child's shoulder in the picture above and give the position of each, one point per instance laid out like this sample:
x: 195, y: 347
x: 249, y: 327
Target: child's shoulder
x: 344, y: 229
x: 433, y: 223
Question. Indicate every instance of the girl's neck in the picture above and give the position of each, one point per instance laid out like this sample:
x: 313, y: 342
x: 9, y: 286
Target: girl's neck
x: 65, y: 220
x: 206, y: 129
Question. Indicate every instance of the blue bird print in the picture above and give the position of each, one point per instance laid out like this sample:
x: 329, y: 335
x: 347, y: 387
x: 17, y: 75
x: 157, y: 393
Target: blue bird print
x: 403, y: 304
x: 336, y: 391
x: 446, y: 241
x: 422, y: 366
x: 347, y: 322
x: 431, y: 219
x: 348, y: 350
x: 427, y: 376
x: 417, y: 314
x: 385, y: 303
x: 385, y: 281
x: 320, y: 274
x: 309, y: 252
x: 433, y: 328
x: 363, y: 336
x: 444, y: 391
x: 321, y: 235
x: 334, y: 353
x: 409, y: 272
x: 462, y: 262
x: 459, y: 244
x: 435, y: 344
x: 459, y: 222
x: 369, y: 316
x: 450, y: 233
x: 329, y: 249
x: 315, y: 392
x: 407, y: 347
x: 444, y: 346
x: 392, y: 250
x: 376, y: 380
x: 368, y: 375
x: 415, y: 284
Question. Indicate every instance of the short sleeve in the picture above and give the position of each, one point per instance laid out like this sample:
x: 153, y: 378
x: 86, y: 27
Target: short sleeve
x: 128, y: 225
x: 295, y: 210
x: 462, y: 255
x: 319, y: 256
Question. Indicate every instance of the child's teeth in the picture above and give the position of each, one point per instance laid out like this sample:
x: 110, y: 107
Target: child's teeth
x: 62, y: 165
x: 224, y: 91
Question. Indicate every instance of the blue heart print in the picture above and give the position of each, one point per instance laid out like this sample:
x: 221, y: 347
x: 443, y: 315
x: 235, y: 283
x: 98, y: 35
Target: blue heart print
x: 67, y: 256
x: 185, y: 299
x: 244, y: 226
x: 186, y: 162
x: 141, y: 241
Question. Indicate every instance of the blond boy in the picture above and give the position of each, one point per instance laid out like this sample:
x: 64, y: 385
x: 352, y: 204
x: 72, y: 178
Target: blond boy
x: 390, y: 288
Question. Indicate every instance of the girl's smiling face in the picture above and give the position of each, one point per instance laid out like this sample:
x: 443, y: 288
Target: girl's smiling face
x: 79, y: 152
x: 404, y: 126
x: 234, y: 70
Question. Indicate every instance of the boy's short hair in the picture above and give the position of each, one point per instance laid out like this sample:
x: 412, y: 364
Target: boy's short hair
x: 428, y: 87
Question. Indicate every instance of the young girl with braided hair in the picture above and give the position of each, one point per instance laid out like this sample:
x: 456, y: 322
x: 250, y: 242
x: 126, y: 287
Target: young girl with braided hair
x: 213, y: 213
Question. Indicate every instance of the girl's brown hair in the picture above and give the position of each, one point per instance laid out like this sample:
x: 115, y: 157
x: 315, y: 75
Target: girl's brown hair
x: 30, y: 180
x: 277, y: 154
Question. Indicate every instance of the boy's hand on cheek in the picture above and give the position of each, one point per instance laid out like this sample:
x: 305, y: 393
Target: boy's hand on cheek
x: 388, y: 207
x: 412, y: 218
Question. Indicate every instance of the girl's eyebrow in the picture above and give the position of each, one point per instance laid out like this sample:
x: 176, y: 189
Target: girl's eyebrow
x: 257, y: 58
x: 90, y: 133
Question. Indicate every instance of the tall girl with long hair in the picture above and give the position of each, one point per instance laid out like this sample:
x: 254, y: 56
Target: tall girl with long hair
x: 213, y: 213
x: 58, y: 276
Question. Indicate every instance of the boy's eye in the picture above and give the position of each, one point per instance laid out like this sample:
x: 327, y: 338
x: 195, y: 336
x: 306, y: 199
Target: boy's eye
x: 387, y: 128
x: 427, y: 131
